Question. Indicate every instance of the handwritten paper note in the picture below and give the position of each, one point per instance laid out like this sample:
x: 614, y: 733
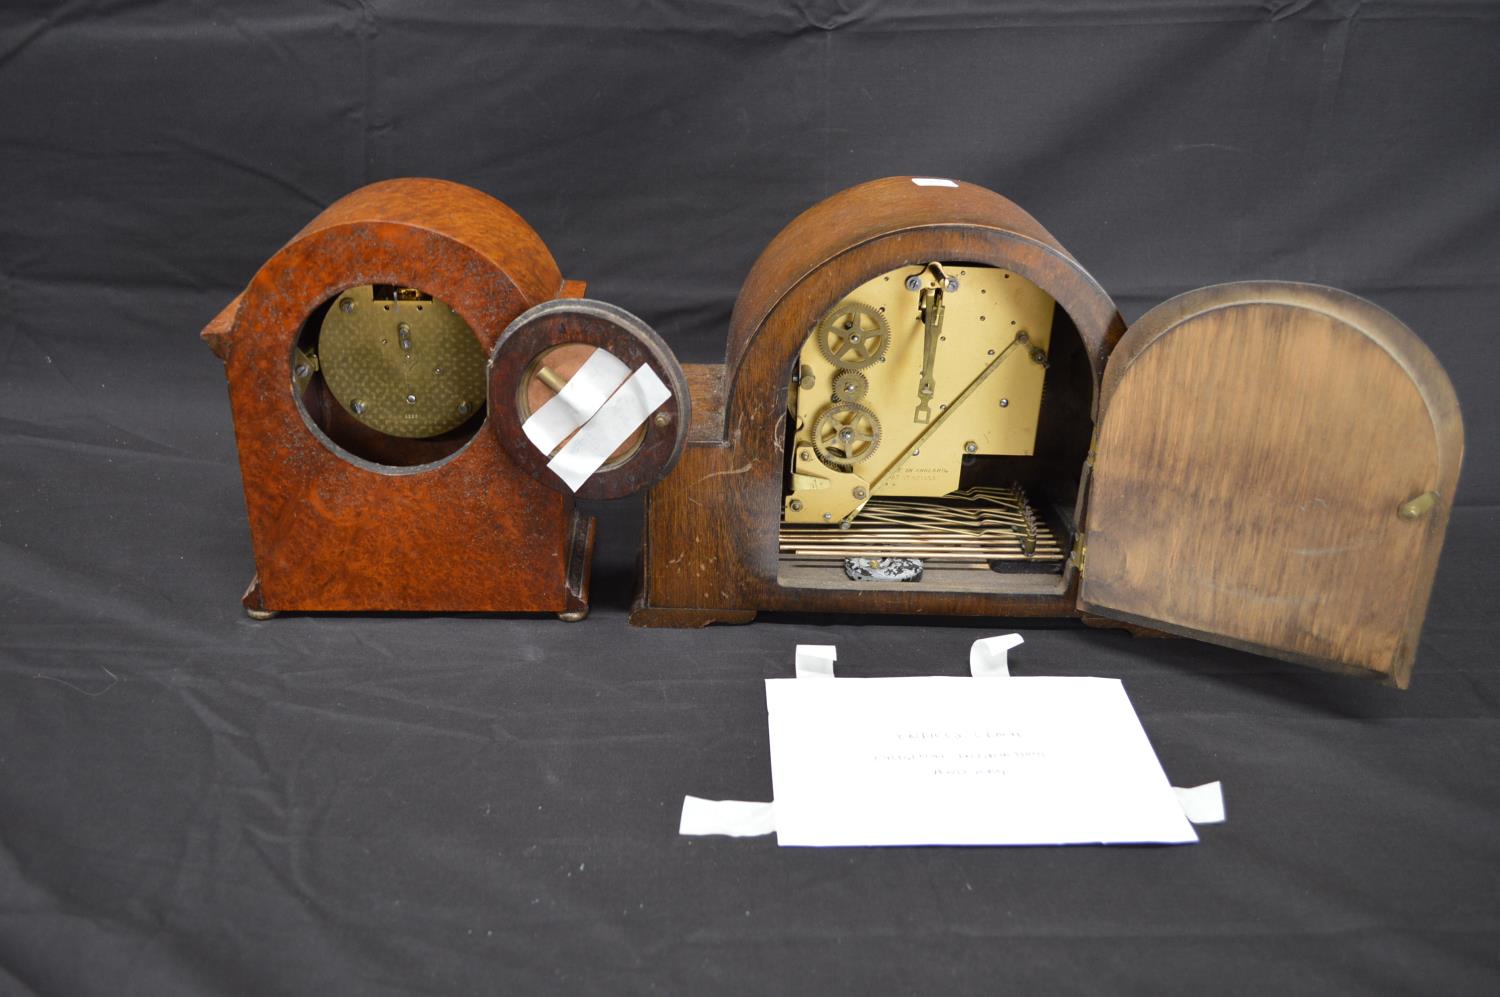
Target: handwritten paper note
x: 963, y: 761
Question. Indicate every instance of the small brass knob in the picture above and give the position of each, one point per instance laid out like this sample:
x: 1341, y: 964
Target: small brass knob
x: 1416, y: 508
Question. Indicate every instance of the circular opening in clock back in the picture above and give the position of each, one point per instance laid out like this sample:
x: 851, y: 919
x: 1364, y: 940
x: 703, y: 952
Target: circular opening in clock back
x: 390, y: 375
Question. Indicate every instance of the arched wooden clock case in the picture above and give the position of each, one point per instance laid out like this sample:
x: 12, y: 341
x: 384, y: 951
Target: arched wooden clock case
x: 1267, y: 466
x: 459, y: 514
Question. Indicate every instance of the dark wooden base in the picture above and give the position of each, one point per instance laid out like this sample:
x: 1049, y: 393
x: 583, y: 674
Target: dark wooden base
x: 1134, y: 629
x: 642, y: 615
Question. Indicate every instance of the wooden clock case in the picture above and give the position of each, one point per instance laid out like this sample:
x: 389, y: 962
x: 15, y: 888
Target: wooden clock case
x: 346, y: 519
x: 1268, y: 466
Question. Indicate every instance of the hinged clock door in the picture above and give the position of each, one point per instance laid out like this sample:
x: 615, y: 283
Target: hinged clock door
x: 1274, y: 469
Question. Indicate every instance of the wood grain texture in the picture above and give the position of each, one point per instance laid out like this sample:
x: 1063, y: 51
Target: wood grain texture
x: 332, y: 532
x: 706, y: 384
x: 712, y: 524
x: 1255, y: 444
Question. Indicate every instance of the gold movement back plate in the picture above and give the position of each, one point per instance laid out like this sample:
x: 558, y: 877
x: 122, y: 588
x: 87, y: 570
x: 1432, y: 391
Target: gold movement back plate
x: 406, y: 366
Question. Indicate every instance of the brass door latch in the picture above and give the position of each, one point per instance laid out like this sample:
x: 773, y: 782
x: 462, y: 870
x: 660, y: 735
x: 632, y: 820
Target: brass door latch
x: 1417, y: 507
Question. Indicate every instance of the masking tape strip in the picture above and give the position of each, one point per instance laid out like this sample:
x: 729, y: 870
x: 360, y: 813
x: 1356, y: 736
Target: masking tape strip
x: 815, y: 661
x: 989, y: 658
x: 579, y: 399
x: 932, y: 182
x: 1202, y: 804
x: 640, y: 395
x: 736, y: 818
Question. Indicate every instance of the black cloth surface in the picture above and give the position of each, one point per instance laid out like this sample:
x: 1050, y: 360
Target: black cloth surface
x: 192, y: 802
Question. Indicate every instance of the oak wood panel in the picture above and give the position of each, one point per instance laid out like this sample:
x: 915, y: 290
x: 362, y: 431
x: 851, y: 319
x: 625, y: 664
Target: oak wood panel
x: 706, y: 385
x: 1255, y: 444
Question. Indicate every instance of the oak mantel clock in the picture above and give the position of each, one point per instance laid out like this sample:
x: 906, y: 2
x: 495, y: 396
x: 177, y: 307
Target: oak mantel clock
x: 927, y: 406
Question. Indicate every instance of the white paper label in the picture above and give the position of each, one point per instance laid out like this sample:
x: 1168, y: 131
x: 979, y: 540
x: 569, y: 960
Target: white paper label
x: 932, y: 182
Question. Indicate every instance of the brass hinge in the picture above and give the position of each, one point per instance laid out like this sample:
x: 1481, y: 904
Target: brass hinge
x: 1080, y: 552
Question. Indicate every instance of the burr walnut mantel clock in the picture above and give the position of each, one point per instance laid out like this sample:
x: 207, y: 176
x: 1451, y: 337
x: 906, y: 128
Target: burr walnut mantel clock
x: 418, y: 395
x: 927, y: 406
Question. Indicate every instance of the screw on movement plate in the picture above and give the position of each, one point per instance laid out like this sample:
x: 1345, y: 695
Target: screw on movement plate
x: 346, y: 305
x: 971, y: 447
x: 358, y: 407
x: 860, y: 493
x: 1005, y: 403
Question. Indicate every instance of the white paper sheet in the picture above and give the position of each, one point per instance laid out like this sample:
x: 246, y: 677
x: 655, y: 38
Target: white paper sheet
x: 962, y: 761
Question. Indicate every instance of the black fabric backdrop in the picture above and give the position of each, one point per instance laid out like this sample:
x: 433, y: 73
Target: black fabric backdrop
x: 191, y: 802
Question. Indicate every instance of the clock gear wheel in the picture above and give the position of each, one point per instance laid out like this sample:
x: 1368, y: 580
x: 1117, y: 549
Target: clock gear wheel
x: 853, y: 335
x: 845, y: 434
x: 850, y: 386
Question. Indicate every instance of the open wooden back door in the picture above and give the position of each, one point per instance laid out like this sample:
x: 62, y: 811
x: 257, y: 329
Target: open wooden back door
x: 1274, y: 468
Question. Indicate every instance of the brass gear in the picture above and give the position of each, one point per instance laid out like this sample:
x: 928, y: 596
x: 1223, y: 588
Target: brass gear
x: 850, y: 386
x: 853, y: 335
x: 845, y: 434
